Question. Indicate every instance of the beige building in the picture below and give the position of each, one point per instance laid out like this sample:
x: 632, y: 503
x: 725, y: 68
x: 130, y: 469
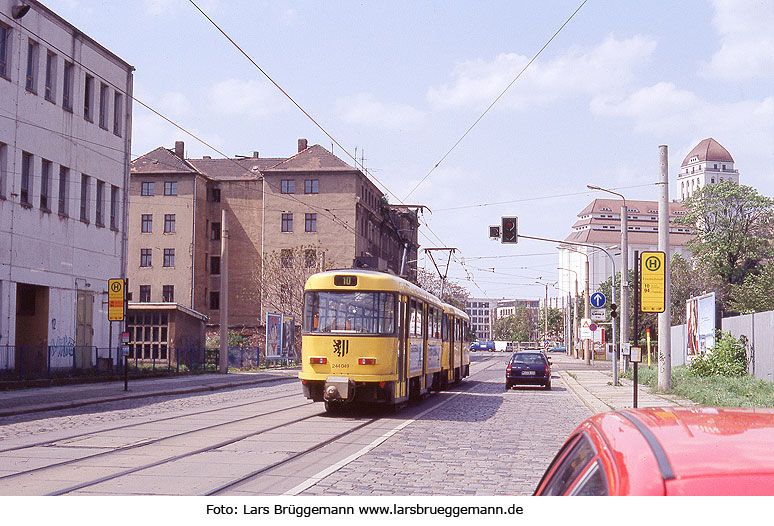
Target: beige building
x: 312, y: 200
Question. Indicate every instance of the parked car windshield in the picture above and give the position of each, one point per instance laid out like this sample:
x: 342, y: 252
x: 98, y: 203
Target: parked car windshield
x: 528, y: 358
x: 355, y: 312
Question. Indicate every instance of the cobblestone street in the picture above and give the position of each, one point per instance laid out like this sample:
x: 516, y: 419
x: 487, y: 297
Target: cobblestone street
x: 482, y: 442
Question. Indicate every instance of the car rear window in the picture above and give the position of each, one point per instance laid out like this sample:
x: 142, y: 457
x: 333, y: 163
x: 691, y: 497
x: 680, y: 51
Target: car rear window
x: 572, y: 465
x: 594, y: 482
x: 533, y: 359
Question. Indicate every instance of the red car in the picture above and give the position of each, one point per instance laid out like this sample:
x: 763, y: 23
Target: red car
x: 667, y: 451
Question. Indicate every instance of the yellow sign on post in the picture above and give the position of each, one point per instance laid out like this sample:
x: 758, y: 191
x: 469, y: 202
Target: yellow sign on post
x: 653, y: 282
x: 116, y: 299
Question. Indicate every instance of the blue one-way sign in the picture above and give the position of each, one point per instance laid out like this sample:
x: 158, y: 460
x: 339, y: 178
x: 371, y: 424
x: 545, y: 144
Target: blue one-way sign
x: 597, y: 300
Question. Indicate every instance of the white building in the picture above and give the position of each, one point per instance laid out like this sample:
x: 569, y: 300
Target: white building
x: 599, y: 223
x: 707, y: 163
x: 65, y: 131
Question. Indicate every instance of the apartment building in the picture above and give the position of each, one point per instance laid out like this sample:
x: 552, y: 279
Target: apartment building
x: 65, y: 131
x: 273, y: 205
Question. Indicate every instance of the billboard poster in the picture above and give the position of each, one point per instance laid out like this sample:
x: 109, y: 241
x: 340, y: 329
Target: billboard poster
x: 700, y: 317
x: 273, y: 336
x: 288, y: 337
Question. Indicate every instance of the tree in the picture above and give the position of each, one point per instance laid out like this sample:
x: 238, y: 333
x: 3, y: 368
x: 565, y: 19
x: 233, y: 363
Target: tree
x: 688, y: 281
x: 453, y: 293
x: 756, y: 293
x: 285, y: 273
x: 555, y: 323
x: 518, y: 327
x: 733, y: 229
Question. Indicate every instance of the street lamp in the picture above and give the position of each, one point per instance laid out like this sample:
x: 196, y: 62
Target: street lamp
x: 624, y: 311
x: 573, y: 313
x: 545, y: 306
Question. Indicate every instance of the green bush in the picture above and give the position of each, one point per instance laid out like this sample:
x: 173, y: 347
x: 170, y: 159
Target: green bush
x: 728, y: 358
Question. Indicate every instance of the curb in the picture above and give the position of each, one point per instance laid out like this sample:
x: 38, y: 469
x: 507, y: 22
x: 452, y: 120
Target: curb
x: 594, y: 404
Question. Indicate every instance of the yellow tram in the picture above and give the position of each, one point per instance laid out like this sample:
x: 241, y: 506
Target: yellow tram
x: 371, y: 337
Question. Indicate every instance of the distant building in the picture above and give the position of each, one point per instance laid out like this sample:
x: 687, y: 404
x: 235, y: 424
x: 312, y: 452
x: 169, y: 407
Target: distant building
x: 66, y: 114
x: 484, y: 312
x: 312, y: 199
x: 707, y: 163
x: 599, y: 223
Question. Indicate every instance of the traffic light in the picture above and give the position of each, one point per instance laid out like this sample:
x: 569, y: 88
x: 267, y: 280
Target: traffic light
x: 494, y: 232
x: 510, y: 230
x: 613, y: 308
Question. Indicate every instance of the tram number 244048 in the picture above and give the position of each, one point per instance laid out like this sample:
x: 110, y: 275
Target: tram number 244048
x: 341, y: 347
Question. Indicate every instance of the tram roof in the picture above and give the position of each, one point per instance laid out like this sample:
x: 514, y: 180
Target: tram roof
x: 368, y: 280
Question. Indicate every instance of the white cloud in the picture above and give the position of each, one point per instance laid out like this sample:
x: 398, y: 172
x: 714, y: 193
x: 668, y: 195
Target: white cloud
x: 252, y: 98
x: 607, y: 68
x: 364, y: 110
x: 747, y: 41
x: 175, y: 104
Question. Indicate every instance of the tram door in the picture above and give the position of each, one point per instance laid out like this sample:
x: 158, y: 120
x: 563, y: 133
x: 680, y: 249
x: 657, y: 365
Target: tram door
x: 400, y: 384
x: 452, y: 334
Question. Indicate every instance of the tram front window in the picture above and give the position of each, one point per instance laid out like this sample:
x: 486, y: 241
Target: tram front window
x: 349, y: 312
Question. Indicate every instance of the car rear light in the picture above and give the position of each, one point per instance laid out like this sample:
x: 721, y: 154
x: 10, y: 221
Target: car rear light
x: 318, y: 360
x: 508, y: 369
x: 548, y: 370
x: 366, y: 361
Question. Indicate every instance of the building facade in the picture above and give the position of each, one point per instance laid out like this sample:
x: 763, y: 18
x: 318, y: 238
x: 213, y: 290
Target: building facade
x: 707, y: 163
x: 65, y: 114
x: 312, y: 201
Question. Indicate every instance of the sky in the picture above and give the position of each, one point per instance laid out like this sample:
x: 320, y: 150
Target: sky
x: 402, y: 82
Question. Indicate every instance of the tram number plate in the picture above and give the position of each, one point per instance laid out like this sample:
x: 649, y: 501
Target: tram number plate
x: 341, y: 347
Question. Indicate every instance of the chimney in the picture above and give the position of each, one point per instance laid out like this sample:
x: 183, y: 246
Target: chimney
x: 301, y: 145
x: 255, y: 155
x: 180, y: 149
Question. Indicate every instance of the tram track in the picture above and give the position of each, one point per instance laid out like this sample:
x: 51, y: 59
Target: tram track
x: 173, y: 462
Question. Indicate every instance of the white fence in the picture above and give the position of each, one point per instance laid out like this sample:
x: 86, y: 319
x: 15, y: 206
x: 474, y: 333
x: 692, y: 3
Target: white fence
x: 758, y: 328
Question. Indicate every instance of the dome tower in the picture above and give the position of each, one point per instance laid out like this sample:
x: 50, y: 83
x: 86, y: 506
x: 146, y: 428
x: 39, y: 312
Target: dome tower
x: 708, y: 163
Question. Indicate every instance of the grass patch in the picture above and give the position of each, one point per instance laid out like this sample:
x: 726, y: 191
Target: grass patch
x: 720, y: 391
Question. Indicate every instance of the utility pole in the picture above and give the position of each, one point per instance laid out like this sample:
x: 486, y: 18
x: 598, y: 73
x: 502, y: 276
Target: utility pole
x: 664, y: 318
x: 624, y: 277
x: 223, y: 362
x: 586, y: 342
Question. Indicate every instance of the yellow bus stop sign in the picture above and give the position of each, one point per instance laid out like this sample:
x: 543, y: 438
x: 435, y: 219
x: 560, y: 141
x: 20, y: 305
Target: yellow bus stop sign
x: 653, y: 282
x: 116, y: 299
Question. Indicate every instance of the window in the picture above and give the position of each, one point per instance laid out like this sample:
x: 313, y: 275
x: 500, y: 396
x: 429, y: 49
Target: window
x: 3, y: 168
x: 215, y: 195
x: 147, y: 223
x: 118, y: 108
x: 88, y: 99
x: 146, y: 188
x: 169, y: 223
x: 310, y: 222
x: 287, y: 222
x: 45, y: 184
x: 145, y: 293
x: 215, y: 265
x: 99, y: 218
x: 349, y: 312
x: 288, y: 186
x: 286, y: 258
x: 104, y: 106
x: 32, y: 66
x: 170, y: 188
x: 310, y: 258
x: 579, y: 454
x: 215, y: 231
x: 26, y: 176
x: 50, y: 93
x: 169, y: 257
x: 311, y: 186
x: 84, y: 198
x: 5, y: 51
x: 145, y: 257
x: 214, y: 300
x: 67, y: 86
x: 149, y: 335
x: 113, y: 207
x: 64, y: 189
x: 168, y: 293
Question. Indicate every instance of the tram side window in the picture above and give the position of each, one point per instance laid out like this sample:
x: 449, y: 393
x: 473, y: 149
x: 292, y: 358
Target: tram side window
x: 435, y: 323
x: 445, y: 327
x: 416, y: 321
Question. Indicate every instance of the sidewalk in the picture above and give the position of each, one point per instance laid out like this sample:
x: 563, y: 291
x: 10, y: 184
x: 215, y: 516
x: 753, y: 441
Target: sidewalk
x: 37, y: 399
x: 594, y: 386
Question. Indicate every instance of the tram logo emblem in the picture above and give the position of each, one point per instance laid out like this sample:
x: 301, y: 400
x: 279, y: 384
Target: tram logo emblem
x: 340, y: 347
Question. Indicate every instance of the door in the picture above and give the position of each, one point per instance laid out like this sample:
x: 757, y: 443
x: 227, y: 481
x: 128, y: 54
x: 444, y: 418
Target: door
x: 84, y: 329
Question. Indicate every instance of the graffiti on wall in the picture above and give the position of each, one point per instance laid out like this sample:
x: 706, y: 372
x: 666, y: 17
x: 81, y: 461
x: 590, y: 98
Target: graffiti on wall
x: 62, y: 349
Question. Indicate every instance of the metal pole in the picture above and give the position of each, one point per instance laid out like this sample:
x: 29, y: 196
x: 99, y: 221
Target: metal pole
x: 223, y: 362
x: 586, y: 342
x: 664, y: 318
x: 624, y: 276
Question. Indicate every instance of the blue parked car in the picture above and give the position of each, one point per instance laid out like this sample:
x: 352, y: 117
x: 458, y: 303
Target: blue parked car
x: 528, y: 368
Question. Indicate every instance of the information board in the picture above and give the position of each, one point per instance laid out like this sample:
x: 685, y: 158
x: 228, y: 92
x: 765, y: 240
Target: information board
x: 116, y: 299
x: 653, y: 281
